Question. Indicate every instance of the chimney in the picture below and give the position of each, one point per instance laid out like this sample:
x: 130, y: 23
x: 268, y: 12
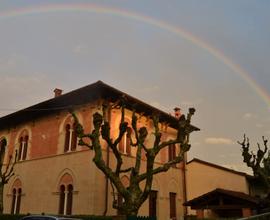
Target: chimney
x: 177, y: 112
x: 57, y: 92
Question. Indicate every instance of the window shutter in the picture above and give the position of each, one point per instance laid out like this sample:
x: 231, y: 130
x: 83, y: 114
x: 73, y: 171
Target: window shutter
x: 18, y: 205
x: 67, y: 137
x: 74, y: 138
x: 25, y: 146
x: 61, y: 200
x: 172, y: 205
x: 69, y: 199
x: 153, y: 203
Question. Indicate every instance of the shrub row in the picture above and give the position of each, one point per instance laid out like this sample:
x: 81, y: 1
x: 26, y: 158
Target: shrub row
x: 83, y: 217
x: 10, y: 217
x: 91, y: 217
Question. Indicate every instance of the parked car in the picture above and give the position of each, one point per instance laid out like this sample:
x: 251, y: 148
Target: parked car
x: 46, y: 217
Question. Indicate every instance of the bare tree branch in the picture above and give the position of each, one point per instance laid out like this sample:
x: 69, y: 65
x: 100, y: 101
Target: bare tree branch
x: 259, y: 162
x: 133, y: 195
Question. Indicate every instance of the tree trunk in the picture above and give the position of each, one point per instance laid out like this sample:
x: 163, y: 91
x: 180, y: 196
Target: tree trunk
x: 1, y: 198
x: 130, y: 211
x: 128, y: 208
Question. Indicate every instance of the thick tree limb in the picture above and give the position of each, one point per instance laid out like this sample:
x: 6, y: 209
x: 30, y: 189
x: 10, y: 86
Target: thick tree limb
x: 133, y: 195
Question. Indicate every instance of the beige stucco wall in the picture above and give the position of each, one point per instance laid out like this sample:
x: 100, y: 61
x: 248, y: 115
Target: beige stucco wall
x: 163, y: 183
x: 40, y: 180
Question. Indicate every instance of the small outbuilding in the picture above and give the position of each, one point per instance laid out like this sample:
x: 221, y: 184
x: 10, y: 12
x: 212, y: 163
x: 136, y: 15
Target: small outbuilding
x: 223, y: 203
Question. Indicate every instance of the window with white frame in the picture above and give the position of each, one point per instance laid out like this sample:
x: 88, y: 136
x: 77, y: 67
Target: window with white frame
x: 16, y: 200
x: 23, y: 147
x: 125, y: 143
x: 66, y: 199
x: 3, y: 144
x: 70, y: 138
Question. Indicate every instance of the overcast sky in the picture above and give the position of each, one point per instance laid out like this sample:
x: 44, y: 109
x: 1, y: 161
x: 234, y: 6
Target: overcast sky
x: 211, y: 55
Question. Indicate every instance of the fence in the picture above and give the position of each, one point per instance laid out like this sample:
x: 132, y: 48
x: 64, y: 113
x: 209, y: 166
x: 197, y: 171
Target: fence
x: 265, y: 216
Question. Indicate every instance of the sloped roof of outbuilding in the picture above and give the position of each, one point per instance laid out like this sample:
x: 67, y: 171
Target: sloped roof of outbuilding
x: 230, y: 200
x: 81, y: 96
x: 196, y: 160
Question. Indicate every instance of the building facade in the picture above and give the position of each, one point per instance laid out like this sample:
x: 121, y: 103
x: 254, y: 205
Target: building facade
x: 55, y: 175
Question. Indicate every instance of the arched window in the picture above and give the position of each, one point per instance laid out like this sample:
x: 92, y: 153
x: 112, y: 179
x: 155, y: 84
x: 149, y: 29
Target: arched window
x: 18, y: 205
x: 69, y: 199
x: 16, y: 200
x: 67, y: 138
x: 172, y: 205
x: 23, y: 147
x: 152, y: 203
x: 62, y: 200
x: 70, y: 138
x: 74, y: 138
x: 3, y: 144
x: 65, y: 199
x: 14, y: 193
x: 20, y: 148
x: 125, y: 145
x: 66, y: 195
x: 171, y: 152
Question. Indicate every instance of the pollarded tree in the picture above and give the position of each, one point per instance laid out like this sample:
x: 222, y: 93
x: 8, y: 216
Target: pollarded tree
x: 6, y: 171
x: 259, y: 162
x: 135, y: 194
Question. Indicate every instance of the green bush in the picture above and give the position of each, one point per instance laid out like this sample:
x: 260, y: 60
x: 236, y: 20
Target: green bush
x: 83, y: 217
x: 10, y: 217
x: 91, y: 217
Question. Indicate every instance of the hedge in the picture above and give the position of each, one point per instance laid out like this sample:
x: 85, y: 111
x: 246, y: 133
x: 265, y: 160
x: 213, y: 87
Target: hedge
x: 10, y: 217
x: 83, y: 217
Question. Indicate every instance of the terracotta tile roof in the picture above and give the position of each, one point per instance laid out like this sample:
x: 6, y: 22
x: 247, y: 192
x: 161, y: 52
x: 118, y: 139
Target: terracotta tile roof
x: 240, y: 197
x: 75, y: 98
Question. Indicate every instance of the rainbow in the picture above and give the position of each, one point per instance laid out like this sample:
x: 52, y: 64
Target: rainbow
x: 93, y: 8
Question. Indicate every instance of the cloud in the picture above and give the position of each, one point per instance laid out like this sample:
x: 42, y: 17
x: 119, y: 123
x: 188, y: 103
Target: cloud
x: 218, y: 140
x: 259, y: 125
x: 191, y: 103
x: 11, y: 61
x: 23, y: 91
x: 238, y: 167
x: 267, y: 132
x: 196, y: 144
x: 79, y: 49
x: 154, y: 88
x: 249, y: 115
x: 158, y: 105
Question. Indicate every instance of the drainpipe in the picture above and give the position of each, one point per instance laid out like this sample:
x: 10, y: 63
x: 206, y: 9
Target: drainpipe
x: 184, y: 184
x: 107, y: 163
